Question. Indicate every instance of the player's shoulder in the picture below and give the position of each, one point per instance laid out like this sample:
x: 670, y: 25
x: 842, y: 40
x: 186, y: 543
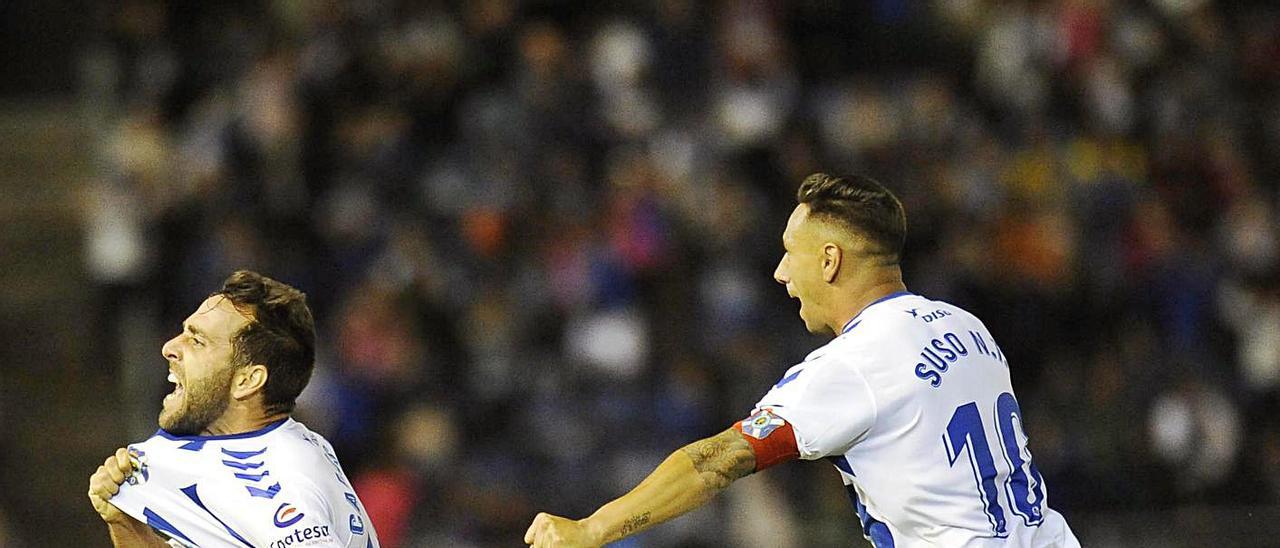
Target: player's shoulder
x: 299, y: 461
x: 901, y: 314
x: 292, y: 432
x: 889, y: 324
x: 888, y: 315
x: 302, y: 448
x: 890, y: 310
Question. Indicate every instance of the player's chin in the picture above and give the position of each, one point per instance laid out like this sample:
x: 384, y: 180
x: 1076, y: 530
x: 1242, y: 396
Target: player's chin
x: 816, y: 328
x: 170, y: 412
x: 178, y: 426
x: 166, y: 421
x: 808, y: 324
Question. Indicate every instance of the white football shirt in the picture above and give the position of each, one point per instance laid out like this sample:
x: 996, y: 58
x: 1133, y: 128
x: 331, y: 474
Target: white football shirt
x: 912, y: 403
x: 277, y: 487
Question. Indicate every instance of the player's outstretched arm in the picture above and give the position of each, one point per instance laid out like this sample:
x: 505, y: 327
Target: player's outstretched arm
x: 126, y: 532
x: 684, y: 481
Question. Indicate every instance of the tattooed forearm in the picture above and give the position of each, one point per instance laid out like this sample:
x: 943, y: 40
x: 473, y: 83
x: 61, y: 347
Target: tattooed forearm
x: 634, y: 523
x: 721, y: 459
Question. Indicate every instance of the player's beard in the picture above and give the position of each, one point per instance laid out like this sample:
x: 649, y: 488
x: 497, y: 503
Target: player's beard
x: 202, y: 403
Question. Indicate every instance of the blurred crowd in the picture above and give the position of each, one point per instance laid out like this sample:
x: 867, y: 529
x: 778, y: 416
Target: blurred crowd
x: 539, y: 236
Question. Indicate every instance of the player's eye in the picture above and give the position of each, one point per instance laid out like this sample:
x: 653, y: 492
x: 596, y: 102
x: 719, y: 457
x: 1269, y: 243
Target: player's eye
x: 196, y: 342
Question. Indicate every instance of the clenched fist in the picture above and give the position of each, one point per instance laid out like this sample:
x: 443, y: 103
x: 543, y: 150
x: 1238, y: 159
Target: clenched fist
x: 548, y: 530
x: 105, y: 483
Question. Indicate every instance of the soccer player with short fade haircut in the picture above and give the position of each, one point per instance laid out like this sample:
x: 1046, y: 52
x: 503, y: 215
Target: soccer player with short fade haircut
x: 862, y: 207
x: 228, y: 466
x: 911, y: 402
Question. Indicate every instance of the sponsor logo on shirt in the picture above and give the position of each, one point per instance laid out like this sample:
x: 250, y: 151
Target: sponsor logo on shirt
x: 930, y: 316
x: 761, y: 424
x: 286, y: 515
x: 302, y: 537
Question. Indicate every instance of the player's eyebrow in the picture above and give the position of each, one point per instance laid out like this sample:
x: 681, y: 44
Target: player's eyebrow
x: 191, y: 328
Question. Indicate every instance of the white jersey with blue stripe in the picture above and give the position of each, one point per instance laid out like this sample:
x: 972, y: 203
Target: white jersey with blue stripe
x: 914, y: 406
x: 277, y: 487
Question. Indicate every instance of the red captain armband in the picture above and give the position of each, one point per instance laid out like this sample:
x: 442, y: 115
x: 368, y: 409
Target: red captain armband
x: 771, y: 438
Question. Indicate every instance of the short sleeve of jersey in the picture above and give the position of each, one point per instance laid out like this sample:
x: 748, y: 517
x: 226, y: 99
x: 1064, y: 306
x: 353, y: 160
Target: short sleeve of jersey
x: 828, y: 403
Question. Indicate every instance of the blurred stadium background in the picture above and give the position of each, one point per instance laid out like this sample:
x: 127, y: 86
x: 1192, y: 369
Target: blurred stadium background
x: 538, y: 237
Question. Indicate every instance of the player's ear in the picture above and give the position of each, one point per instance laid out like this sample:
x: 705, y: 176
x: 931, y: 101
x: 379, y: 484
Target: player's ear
x: 248, y: 381
x: 832, y: 256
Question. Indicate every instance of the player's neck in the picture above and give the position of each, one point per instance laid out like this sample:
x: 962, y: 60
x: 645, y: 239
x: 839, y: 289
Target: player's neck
x: 240, y: 422
x: 856, y: 301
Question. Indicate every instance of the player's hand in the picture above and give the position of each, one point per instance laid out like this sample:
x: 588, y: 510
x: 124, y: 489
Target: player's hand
x: 548, y: 530
x: 105, y: 483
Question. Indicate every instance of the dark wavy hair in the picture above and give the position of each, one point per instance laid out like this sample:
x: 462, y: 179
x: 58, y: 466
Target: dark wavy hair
x: 860, y: 205
x: 281, y: 335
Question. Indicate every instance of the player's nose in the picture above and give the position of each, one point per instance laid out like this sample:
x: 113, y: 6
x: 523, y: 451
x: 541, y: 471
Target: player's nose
x: 780, y: 274
x: 170, y: 349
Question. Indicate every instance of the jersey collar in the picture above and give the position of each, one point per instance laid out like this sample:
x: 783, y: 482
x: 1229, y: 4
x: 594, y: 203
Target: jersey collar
x: 243, y: 435
x: 854, y: 321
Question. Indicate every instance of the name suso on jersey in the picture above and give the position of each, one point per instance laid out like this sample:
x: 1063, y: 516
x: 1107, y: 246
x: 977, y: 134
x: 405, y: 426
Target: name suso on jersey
x: 913, y: 404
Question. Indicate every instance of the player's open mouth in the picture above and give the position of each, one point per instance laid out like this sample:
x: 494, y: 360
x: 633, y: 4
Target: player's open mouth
x: 177, y: 385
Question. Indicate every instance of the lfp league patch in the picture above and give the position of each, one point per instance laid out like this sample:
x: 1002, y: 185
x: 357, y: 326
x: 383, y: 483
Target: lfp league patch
x: 760, y: 424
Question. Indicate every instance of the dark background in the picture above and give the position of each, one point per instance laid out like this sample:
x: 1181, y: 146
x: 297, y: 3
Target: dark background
x: 539, y: 237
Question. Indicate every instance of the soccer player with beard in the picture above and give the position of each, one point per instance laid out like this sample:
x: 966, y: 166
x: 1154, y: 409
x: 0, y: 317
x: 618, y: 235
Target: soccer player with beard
x: 228, y: 466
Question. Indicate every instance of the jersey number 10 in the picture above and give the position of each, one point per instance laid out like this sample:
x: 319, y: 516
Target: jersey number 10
x: 1023, y: 486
